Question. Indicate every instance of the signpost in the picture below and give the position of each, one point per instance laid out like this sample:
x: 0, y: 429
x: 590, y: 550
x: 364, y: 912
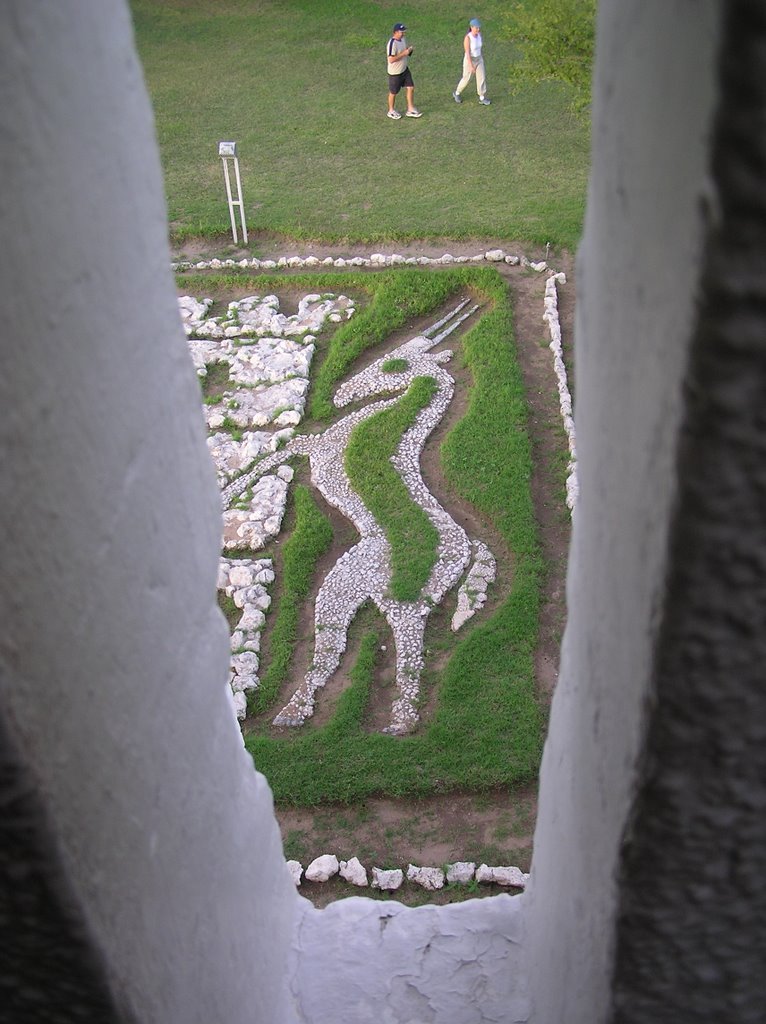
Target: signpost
x: 228, y: 151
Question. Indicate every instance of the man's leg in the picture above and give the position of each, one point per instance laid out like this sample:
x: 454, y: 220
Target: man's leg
x: 391, y: 100
x: 410, y: 90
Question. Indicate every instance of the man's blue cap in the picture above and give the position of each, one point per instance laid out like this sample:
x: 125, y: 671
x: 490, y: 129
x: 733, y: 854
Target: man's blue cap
x: 474, y: 23
x: 398, y: 27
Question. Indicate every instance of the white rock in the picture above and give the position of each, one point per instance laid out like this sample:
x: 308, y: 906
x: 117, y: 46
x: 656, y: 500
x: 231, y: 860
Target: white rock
x: 340, y: 262
x: 353, y: 871
x: 512, y: 260
x: 539, y: 267
x: 397, y: 260
x: 387, y: 881
x: 245, y: 664
x: 322, y: 868
x: 289, y: 418
x: 240, y: 705
x: 377, y: 257
x: 429, y: 878
x: 286, y: 473
x: 272, y: 524
x: 502, y: 876
x: 462, y: 871
x: 252, y: 619
x: 268, y: 265
x: 494, y: 256
x: 295, y: 869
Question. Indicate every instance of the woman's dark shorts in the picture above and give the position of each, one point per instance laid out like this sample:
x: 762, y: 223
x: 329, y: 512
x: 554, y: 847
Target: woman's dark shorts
x: 397, y: 82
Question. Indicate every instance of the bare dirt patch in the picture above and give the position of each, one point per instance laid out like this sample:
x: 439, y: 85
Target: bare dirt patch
x: 497, y: 826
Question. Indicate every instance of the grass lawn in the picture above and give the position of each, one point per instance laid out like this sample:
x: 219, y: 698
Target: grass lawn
x: 301, y: 86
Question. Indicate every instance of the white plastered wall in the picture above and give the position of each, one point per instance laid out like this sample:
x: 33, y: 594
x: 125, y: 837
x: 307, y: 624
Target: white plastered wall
x: 638, y: 265
x: 113, y: 655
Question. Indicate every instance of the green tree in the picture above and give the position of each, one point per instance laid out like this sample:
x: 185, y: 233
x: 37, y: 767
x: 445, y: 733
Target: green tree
x: 555, y: 39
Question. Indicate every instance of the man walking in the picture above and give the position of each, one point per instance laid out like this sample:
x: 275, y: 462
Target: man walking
x: 399, y: 75
x: 473, y: 63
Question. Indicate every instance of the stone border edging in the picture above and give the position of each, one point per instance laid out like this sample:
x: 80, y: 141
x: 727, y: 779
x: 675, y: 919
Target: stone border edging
x: 376, y: 259
x: 327, y: 866
x: 551, y: 317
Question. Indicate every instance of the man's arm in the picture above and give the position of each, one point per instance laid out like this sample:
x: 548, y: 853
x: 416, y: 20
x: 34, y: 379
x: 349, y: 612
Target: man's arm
x: 394, y: 57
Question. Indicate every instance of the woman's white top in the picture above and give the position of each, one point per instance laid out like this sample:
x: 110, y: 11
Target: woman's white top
x: 474, y: 41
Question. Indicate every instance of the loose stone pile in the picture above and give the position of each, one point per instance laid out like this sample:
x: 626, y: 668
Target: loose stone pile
x: 257, y: 516
x: 325, y: 867
x: 267, y: 355
x: 245, y: 581
x: 268, y: 359
x: 376, y: 259
x: 232, y: 457
x: 259, y: 316
x: 473, y: 590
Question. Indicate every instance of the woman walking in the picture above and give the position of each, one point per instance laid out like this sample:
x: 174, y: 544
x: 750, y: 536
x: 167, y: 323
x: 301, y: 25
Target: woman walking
x: 473, y: 63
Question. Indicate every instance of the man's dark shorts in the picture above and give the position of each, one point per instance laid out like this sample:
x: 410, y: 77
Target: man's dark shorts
x: 397, y: 82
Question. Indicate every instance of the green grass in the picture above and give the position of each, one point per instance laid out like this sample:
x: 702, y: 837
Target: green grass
x: 394, y: 366
x: 399, y: 296
x: 301, y: 86
x: 487, y: 726
x: 310, y: 538
x: 411, y: 534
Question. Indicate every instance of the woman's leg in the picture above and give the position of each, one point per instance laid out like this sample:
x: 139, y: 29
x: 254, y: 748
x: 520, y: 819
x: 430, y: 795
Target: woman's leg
x: 467, y: 72
x: 481, y: 80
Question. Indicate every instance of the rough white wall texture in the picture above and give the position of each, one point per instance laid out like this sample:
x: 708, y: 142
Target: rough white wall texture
x: 360, y: 961
x: 113, y: 655
x: 692, y: 906
x: 638, y: 274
